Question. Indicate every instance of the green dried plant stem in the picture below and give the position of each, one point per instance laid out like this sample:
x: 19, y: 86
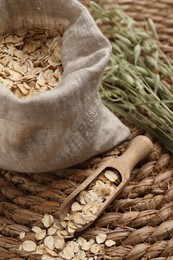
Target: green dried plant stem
x: 125, y: 32
x: 143, y: 123
x: 163, y: 88
x: 125, y: 80
x: 125, y: 49
x: 152, y: 27
x: 137, y: 53
x: 150, y: 96
x: 143, y: 71
x: 153, y: 107
x: 151, y: 62
x: 164, y: 71
x: 151, y: 79
x: 131, y: 102
x: 164, y: 92
x: 140, y: 93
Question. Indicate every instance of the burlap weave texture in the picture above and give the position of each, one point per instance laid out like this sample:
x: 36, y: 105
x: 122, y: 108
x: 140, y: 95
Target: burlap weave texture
x: 68, y: 124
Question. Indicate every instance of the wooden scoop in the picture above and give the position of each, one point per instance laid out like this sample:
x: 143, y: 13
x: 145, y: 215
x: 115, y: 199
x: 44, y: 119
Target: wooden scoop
x: 138, y: 149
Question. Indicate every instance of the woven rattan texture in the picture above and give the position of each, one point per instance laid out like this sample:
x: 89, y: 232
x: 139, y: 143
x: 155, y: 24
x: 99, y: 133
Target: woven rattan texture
x: 140, y: 220
x: 160, y: 11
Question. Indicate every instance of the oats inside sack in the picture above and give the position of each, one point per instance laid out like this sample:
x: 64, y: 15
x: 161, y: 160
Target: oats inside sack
x: 30, y: 61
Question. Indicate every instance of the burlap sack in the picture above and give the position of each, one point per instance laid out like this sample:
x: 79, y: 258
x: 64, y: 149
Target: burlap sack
x: 69, y: 124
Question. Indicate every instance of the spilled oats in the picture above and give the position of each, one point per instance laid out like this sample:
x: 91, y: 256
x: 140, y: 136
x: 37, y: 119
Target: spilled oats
x: 53, y: 241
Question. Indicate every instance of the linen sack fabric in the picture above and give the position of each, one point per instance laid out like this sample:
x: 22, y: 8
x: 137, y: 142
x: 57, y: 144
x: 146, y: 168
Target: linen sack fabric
x: 69, y: 124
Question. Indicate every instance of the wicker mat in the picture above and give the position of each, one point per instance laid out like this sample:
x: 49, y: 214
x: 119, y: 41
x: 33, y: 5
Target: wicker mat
x: 161, y: 13
x: 140, y: 221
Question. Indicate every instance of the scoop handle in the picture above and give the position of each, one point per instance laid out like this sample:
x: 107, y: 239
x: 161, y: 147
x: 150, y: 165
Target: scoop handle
x: 140, y: 147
